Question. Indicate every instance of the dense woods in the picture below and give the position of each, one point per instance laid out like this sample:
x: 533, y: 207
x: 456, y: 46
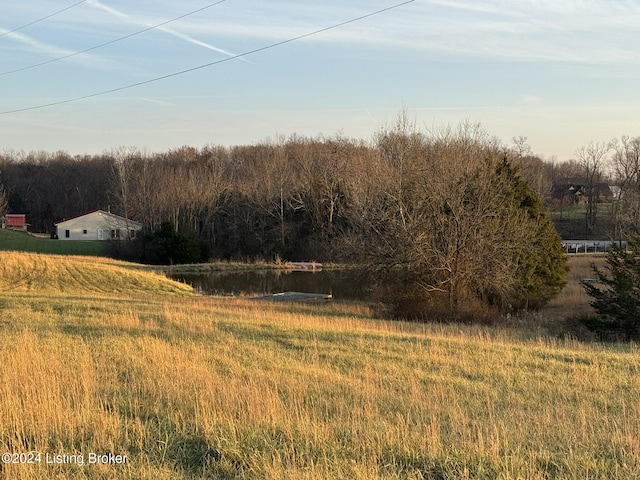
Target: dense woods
x: 281, y: 197
x: 459, y: 215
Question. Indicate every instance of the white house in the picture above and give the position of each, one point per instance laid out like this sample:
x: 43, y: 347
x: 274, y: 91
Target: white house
x: 97, y: 225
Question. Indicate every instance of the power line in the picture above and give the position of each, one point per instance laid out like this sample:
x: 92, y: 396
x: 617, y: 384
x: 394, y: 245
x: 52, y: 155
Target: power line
x: 207, y: 65
x: 42, y: 19
x: 109, y: 42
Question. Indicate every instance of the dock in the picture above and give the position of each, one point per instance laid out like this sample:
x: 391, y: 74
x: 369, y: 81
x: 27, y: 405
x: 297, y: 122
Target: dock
x: 295, y: 297
x: 306, y: 266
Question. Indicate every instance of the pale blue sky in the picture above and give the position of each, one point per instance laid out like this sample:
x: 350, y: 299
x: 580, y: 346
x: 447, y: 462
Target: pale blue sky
x: 562, y: 74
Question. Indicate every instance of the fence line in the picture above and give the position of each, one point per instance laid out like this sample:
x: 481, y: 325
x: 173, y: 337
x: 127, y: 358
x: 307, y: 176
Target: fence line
x: 591, y: 246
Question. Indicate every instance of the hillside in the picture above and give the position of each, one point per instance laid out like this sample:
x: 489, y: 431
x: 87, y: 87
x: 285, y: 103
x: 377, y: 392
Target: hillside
x: 56, y: 274
x: 25, y: 242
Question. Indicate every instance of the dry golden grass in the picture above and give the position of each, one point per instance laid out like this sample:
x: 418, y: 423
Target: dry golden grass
x: 31, y: 272
x: 192, y: 387
x: 573, y: 301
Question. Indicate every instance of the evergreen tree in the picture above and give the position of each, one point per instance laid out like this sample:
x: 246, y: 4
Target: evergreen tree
x: 616, y: 292
x: 167, y: 247
x: 541, y: 267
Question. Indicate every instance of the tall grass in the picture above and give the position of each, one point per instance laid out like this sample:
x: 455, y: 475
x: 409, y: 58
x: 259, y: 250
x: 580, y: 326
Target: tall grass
x: 29, y: 272
x: 573, y: 300
x: 190, y: 387
x: 239, y: 389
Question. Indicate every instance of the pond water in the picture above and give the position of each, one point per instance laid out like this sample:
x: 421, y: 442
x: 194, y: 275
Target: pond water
x: 347, y: 284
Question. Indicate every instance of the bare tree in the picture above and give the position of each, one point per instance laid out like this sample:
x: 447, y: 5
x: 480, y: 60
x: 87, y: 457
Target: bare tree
x: 211, y: 188
x: 533, y: 168
x: 592, y: 159
x: 123, y: 159
x: 454, y: 221
x: 520, y: 146
x: 626, y: 170
x: 271, y: 180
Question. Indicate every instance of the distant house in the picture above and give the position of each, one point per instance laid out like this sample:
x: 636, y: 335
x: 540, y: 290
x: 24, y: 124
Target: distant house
x: 578, y: 191
x: 14, y: 221
x: 97, y: 225
x: 572, y: 190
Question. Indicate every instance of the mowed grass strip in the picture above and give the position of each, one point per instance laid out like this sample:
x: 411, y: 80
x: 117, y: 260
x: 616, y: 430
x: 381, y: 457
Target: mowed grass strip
x: 61, y: 274
x: 24, y: 242
x: 197, y: 388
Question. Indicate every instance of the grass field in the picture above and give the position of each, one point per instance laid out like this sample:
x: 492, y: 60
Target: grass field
x: 575, y: 211
x: 570, y: 222
x: 24, y: 242
x: 573, y: 300
x: 126, y: 362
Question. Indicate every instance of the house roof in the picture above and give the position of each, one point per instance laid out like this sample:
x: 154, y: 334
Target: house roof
x: 579, y: 187
x: 112, y: 215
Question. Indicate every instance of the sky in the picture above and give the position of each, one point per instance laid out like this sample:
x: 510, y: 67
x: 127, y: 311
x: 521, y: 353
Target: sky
x: 90, y: 76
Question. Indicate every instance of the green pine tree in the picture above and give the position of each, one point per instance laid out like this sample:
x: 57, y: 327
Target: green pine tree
x: 616, y: 292
x: 542, y: 266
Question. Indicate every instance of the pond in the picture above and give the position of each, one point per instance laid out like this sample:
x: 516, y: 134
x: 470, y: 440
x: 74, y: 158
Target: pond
x: 344, y: 284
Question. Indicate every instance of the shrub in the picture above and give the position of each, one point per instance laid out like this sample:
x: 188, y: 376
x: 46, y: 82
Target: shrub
x: 167, y: 246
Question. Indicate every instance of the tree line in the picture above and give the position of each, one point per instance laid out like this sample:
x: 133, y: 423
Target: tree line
x: 285, y: 197
x: 454, y: 214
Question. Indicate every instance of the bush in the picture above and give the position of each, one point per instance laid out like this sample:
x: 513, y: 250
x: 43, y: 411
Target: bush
x: 616, y: 293
x: 167, y: 246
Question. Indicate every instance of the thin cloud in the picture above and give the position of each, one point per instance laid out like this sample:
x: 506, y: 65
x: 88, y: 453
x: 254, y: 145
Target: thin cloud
x: 55, y: 51
x: 595, y: 32
x: 170, y: 31
x: 570, y: 31
x: 155, y: 101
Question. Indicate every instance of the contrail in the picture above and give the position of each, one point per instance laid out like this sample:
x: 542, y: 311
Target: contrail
x: 7, y: 32
x: 110, y: 42
x: 216, y: 62
x: 179, y: 35
x: 48, y: 49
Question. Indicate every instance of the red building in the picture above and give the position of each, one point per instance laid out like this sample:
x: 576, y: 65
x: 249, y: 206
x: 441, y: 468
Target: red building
x: 15, y: 221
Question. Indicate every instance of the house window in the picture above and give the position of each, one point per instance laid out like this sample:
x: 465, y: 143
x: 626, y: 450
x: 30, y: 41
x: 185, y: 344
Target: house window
x: 84, y: 232
x: 132, y: 234
x: 67, y: 234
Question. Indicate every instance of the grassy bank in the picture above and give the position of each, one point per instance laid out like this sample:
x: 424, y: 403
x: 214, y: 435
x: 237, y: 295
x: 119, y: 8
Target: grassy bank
x: 190, y: 387
x: 11, y: 240
x: 59, y: 274
x: 25, y: 242
x: 222, y: 266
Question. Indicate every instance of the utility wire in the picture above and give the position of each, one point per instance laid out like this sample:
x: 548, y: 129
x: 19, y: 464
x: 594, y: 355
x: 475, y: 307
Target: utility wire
x: 42, y: 19
x: 109, y: 42
x: 217, y: 62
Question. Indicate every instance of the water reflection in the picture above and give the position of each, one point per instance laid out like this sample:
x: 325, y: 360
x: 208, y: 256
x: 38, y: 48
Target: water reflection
x: 348, y: 284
